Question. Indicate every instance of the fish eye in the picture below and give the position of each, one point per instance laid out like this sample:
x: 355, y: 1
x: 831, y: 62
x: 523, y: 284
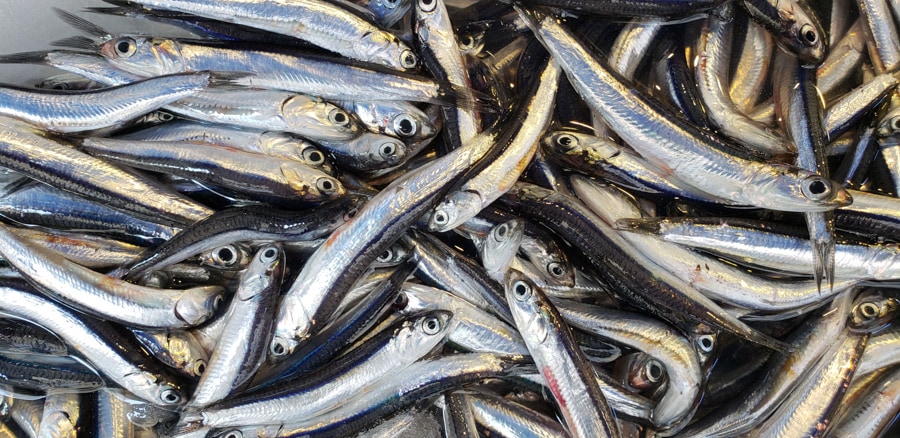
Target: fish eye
x: 408, y: 59
x: 326, y: 185
x: 467, y: 43
x: 816, y: 188
x: 60, y: 86
x: 339, y: 118
x: 706, y: 343
x: 233, y: 434
x: 654, y: 371
x: 170, y: 397
x: 427, y: 5
x: 390, y: 4
x: 869, y: 310
x: 269, y: 255
x: 126, y: 47
x: 521, y: 290
x: 164, y: 116
x: 388, y: 149
x: 199, y: 367
x: 440, y: 218
x: 556, y: 269
x: 217, y: 301
x: 351, y: 214
x: 314, y: 156
x: 225, y: 255
x: 502, y: 232
x: 431, y: 326
x: 386, y: 256
x: 567, y: 141
x: 278, y: 347
x: 401, y: 301
x: 808, y: 35
x: 895, y: 123
x: 405, y: 125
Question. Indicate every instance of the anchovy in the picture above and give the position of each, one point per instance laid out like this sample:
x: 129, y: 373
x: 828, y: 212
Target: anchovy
x: 100, y: 295
x: 300, y: 114
x: 176, y: 348
x: 58, y: 164
x: 238, y: 353
x: 500, y: 246
x: 276, y: 144
x: 290, y: 403
x: 311, y: 74
x: 740, y: 240
x: 324, y: 24
x: 712, y: 62
x: 113, y: 355
x: 571, y: 379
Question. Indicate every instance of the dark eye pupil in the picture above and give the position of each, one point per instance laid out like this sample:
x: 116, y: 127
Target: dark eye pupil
x: 270, y: 253
x: 565, y: 141
x: 406, y: 126
x: 315, y: 156
x: 817, y: 187
x: 225, y: 254
x: 123, y: 47
x: 810, y: 36
x: 340, y: 118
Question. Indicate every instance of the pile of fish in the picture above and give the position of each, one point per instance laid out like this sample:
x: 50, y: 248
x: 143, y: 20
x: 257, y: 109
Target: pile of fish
x: 582, y: 218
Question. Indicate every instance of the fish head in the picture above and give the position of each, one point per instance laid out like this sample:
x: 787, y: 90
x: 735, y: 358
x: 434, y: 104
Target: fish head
x: 501, y: 245
x: 393, y: 255
x: 456, y: 208
x: 527, y: 304
x: 232, y: 257
x: 263, y: 274
x: 198, y: 304
x: 802, y: 33
x: 415, y: 298
x: 185, y: 354
x: 144, y: 56
x: 872, y: 312
x: 155, y: 388
x: 384, y: 149
x: 788, y: 188
x: 386, y: 49
x: 577, y: 148
x: 304, y: 112
x: 281, y: 144
x: 424, y: 332
x: 311, y: 187
x: 292, y: 325
x: 889, y: 127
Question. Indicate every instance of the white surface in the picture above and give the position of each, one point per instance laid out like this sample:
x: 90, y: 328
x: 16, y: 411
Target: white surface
x: 28, y: 25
